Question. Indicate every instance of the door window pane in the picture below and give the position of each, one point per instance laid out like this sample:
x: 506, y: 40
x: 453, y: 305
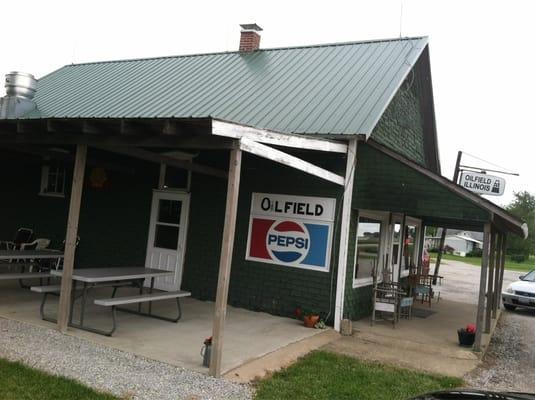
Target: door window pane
x: 395, y: 243
x: 169, y: 211
x: 166, y: 237
x: 368, y: 247
x: 409, y: 247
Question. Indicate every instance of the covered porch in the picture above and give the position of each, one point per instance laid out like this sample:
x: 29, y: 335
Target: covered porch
x: 395, y: 200
x: 211, y: 151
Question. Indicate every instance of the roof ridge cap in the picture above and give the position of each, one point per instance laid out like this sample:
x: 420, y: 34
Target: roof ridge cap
x: 257, y: 51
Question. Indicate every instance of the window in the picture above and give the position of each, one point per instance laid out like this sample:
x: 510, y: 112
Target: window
x: 168, y: 224
x: 396, y: 238
x: 53, y: 180
x: 174, y: 178
x: 368, y: 248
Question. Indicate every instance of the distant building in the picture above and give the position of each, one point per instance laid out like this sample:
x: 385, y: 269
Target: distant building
x: 462, y: 242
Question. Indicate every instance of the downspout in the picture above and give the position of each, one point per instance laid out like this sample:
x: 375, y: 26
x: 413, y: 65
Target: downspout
x: 351, y: 165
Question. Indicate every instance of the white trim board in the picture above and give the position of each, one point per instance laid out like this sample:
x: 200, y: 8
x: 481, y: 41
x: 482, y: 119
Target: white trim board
x: 236, y: 131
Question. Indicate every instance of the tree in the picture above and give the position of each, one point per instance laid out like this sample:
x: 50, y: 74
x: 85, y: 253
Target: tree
x: 523, y: 206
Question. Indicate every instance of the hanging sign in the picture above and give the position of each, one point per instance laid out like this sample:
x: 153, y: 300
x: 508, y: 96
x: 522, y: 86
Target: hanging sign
x: 482, y: 183
x: 294, y: 231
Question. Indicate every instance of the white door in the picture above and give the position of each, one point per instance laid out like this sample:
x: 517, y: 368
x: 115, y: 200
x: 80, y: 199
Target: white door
x: 167, y: 236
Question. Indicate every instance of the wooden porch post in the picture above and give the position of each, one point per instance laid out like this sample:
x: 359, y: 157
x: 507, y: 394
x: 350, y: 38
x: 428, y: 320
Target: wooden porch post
x: 498, y: 268
x: 502, y: 264
x: 490, y: 281
x: 351, y: 165
x: 71, y: 236
x: 482, y: 287
x: 225, y: 261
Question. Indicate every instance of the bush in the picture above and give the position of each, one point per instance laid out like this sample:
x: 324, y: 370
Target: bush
x: 475, y: 253
x: 518, y: 258
x: 448, y: 249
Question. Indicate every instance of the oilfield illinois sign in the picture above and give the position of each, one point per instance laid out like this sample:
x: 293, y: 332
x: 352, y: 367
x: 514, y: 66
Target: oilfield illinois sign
x: 478, y: 182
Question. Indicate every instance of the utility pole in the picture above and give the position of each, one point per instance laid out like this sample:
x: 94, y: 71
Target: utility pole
x: 444, y: 230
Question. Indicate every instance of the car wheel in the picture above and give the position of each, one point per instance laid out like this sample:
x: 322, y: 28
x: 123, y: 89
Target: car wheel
x: 509, y: 307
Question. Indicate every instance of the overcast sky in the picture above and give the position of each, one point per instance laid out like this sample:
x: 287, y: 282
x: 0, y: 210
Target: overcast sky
x: 482, y: 59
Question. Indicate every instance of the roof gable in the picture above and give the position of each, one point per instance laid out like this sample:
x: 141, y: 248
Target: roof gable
x: 326, y: 89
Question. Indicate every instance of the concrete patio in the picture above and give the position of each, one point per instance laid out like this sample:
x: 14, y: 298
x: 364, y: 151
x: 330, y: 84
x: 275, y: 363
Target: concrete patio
x: 426, y: 344
x: 248, y: 335
x: 429, y: 344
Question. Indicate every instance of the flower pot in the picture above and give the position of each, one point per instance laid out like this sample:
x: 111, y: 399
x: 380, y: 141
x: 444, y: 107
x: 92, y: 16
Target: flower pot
x: 311, y: 320
x: 466, y: 338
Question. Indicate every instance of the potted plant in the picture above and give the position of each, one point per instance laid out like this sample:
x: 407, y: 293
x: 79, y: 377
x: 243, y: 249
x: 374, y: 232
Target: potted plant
x: 467, y: 335
x: 310, y: 318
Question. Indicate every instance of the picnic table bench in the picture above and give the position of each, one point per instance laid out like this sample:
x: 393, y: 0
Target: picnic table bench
x: 113, y: 277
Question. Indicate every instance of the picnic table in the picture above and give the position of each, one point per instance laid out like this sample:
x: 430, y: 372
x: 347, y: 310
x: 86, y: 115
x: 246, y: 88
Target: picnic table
x: 114, y: 277
x: 24, y: 258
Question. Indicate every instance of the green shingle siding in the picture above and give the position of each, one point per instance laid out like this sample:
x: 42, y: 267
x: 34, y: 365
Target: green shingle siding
x: 114, y: 221
x: 254, y: 285
x: 383, y: 183
x: 401, y: 126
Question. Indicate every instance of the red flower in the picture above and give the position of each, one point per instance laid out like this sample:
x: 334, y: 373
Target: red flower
x: 298, y: 312
x: 471, y: 328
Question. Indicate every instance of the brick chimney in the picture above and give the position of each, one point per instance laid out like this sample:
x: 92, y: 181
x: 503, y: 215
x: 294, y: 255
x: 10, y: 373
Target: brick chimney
x: 250, y: 38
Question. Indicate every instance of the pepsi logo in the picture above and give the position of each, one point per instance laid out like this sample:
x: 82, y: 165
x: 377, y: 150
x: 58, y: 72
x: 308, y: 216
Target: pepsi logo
x: 288, y: 241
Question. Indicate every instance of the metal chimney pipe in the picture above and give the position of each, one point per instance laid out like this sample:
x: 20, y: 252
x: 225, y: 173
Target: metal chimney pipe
x: 20, y: 90
x: 20, y: 84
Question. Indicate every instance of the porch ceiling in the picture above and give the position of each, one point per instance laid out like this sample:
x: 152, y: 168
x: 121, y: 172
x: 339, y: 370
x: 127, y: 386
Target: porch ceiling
x: 142, y: 132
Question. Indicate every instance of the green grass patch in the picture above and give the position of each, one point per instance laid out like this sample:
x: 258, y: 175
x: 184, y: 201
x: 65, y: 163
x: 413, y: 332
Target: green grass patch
x: 324, y: 375
x: 526, y: 266
x: 18, y: 382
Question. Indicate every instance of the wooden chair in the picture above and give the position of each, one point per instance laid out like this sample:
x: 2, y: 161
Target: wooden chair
x: 422, y: 287
x: 386, y: 300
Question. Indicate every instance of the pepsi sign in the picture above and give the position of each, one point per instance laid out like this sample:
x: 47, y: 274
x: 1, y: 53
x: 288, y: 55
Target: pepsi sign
x: 294, y: 231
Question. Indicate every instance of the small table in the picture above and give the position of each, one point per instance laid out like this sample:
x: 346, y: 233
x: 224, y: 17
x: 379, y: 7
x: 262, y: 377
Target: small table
x: 108, y: 277
x: 44, y: 254
x: 28, y: 258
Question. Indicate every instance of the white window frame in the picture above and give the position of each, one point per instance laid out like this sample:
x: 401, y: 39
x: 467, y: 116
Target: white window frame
x: 383, y: 217
x: 418, y: 223
x: 45, y: 174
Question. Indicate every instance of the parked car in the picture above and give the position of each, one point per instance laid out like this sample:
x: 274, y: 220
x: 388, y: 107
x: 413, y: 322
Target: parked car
x: 520, y: 293
x: 472, y: 394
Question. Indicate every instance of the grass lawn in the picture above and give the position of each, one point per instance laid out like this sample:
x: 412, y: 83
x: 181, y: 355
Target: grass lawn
x: 511, y: 265
x: 18, y: 382
x: 323, y: 375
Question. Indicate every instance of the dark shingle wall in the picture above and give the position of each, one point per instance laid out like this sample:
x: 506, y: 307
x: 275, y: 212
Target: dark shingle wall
x: 401, y: 126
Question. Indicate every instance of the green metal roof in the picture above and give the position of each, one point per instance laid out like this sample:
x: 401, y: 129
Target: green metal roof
x: 325, y: 89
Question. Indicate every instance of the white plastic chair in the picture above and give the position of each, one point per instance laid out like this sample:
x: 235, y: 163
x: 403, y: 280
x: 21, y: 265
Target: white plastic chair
x: 37, y: 244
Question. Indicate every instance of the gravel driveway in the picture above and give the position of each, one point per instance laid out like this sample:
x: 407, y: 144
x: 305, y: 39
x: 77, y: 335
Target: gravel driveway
x: 461, y: 281
x: 106, y: 369
x: 509, y: 363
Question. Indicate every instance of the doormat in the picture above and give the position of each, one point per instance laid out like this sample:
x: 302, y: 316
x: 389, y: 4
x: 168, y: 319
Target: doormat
x: 422, y: 312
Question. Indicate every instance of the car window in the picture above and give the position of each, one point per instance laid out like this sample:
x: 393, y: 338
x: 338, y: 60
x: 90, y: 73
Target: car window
x: 530, y: 276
